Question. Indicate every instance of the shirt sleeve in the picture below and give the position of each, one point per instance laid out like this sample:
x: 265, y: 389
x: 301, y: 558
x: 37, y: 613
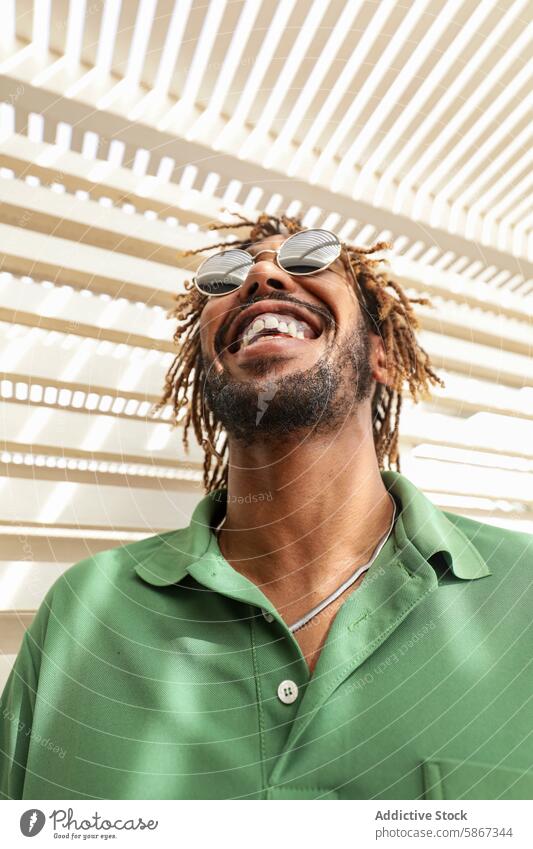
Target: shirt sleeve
x: 16, y: 720
x: 17, y: 705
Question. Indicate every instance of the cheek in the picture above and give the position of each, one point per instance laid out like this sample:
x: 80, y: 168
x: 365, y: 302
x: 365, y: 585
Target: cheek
x: 338, y: 296
x: 348, y: 301
x: 210, y: 321
x: 213, y: 317
x: 347, y: 314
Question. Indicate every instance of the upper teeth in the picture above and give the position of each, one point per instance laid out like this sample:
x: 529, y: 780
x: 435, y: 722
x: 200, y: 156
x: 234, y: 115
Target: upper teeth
x: 271, y: 321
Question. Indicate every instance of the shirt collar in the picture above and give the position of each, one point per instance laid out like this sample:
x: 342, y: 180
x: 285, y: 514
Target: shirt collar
x: 433, y: 531
x: 429, y: 529
x: 168, y: 560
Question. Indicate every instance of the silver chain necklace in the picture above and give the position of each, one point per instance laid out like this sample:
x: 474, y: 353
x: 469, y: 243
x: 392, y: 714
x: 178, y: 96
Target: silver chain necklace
x: 347, y: 583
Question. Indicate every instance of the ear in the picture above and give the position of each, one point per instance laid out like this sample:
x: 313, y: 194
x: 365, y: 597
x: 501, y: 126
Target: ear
x: 378, y: 361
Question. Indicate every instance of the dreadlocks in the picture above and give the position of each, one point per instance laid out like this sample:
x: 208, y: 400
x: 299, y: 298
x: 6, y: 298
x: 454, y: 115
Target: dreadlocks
x: 387, y: 311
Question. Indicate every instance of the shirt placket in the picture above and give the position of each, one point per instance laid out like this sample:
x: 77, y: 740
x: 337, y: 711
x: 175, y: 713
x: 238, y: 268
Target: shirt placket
x: 282, y: 676
x: 395, y: 584
x: 280, y: 670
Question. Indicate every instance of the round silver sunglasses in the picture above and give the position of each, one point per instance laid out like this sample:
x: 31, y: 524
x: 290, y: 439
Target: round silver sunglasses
x: 304, y: 253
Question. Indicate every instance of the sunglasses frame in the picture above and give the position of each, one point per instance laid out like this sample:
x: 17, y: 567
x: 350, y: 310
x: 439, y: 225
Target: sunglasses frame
x: 276, y: 252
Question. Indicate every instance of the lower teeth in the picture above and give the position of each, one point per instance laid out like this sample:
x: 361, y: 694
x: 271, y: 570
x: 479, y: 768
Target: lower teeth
x: 266, y: 336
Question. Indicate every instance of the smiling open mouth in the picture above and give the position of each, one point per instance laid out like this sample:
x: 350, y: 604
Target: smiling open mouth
x: 272, y: 324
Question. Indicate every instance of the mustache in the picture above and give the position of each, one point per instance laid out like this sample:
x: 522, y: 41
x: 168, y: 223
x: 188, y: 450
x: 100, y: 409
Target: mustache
x: 325, y: 314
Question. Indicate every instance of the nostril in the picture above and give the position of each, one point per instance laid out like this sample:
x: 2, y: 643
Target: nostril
x: 271, y: 282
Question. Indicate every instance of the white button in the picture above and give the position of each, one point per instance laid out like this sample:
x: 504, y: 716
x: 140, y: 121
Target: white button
x: 268, y: 616
x: 287, y: 692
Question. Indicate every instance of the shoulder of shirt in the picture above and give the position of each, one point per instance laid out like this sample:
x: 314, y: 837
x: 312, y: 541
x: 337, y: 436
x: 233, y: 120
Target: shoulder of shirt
x: 85, y: 580
x: 118, y: 564
x: 126, y: 555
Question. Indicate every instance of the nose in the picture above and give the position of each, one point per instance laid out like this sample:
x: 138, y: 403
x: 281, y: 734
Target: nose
x: 263, y: 276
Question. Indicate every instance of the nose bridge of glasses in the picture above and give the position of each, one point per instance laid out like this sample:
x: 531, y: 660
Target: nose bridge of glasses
x: 253, y: 258
x: 264, y: 251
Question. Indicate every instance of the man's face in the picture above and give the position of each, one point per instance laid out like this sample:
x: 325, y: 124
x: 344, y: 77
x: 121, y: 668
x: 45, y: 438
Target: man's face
x: 300, y: 342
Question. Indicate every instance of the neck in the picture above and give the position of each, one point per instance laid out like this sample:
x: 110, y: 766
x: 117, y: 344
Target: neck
x: 304, y: 513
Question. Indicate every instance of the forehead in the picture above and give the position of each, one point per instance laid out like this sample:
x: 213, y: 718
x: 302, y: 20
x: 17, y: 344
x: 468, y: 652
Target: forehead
x: 266, y: 243
x: 273, y: 242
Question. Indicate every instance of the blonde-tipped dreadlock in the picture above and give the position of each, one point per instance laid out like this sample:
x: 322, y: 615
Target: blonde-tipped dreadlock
x: 387, y: 311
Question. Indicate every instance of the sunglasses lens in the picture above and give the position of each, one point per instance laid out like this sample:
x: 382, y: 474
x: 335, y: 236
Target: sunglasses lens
x: 223, y: 273
x: 309, y: 251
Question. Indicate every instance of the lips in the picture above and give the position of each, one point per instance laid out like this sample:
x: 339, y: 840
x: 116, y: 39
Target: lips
x: 271, y: 319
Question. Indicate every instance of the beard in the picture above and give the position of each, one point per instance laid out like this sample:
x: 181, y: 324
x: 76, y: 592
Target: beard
x: 319, y: 398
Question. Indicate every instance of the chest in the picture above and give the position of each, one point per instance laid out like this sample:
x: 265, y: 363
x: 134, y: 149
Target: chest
x: 182, y: 710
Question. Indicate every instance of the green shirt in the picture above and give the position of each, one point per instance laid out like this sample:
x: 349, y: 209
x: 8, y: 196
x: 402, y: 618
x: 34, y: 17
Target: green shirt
x: 150, y: 671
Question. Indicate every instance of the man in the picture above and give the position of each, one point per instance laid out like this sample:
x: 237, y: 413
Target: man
x: 321, y: 629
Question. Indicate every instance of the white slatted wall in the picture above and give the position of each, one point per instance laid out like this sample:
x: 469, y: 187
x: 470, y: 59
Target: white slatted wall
x: 127, y: 127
